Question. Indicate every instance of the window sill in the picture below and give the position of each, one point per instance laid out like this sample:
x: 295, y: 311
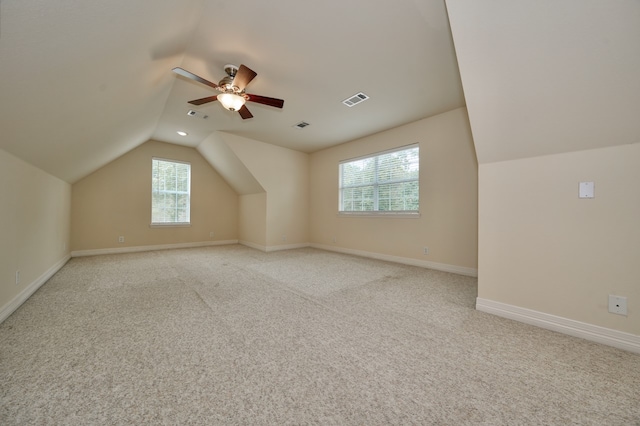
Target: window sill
x: 169, y: 225
x: 394, y: 215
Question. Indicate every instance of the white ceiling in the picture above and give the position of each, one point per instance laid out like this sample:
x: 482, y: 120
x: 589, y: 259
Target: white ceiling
x: 85, y: 81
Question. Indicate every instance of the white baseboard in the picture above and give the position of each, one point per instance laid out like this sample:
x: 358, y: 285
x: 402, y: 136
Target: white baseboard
x: 253, y: 245
x: 135, y: 249
x: 14, y: 304
x: 594, y: 333
x: 268, y: 249
x: 461, y: 270
x: 287, y: 247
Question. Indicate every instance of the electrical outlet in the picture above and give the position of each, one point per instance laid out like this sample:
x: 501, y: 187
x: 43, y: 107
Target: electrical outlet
x: 334, y: 240
x: 121, y: 239
x: 425, y: 250
x: 284, y: 238
x: 617, y: 304
x: 17, y: 277
x: 211, y: 234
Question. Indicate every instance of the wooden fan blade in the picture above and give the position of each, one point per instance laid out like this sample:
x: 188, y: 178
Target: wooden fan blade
x: 278, y: 103
x: 204, y: 100
x: 194, y: 77
x: 243, y: 77
x: 244, y: 112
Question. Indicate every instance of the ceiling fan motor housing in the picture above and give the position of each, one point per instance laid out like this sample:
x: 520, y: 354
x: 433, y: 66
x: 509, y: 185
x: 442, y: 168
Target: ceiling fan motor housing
x: 232, y: 88
x: 226, y: 84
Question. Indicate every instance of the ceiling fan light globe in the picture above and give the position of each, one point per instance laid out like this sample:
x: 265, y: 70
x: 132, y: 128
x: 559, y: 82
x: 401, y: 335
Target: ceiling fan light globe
x: 231, y: 101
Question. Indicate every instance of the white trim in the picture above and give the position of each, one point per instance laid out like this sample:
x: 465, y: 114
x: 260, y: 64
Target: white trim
x: 253, y: 245
x: 135, y: 249
x: 594, y: 333
x: 461, y: 270
x: 381, y: 214
x: 376, y: 184
x: 22, y: 297
x: 169, y: 160
x: 268, y: 249
x: 156, y: 190
x: 386, y: 151
x: 287, y: 247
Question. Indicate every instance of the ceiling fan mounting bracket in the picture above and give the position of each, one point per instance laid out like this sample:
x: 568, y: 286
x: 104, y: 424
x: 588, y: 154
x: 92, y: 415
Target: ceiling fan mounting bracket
x: 231, y: 70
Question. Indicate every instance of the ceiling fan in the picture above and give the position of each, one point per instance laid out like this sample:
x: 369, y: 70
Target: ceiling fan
x: 232, y: 88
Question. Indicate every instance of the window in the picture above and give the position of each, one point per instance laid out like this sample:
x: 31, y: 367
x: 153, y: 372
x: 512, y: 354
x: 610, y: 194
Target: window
x: 386, y: 182
x: 170, y: 192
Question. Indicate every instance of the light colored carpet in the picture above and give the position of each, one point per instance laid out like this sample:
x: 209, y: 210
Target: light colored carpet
x: 230, y: 335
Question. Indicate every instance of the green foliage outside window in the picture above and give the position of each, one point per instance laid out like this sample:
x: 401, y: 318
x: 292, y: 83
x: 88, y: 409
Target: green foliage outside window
x: 387, y: 182
x: 170, y: 192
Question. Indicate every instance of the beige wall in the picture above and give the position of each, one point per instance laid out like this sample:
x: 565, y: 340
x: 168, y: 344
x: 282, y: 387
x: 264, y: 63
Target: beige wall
x: 545, y: 249
x: 252, y: 222
x: 284, y: 175
x: 448, y: 195
x: 553, y: 100
x: 34, y: 224
x: 116, y: 201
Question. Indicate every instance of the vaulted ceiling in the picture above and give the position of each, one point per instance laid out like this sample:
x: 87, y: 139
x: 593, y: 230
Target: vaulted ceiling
x: 548, y: 77
x: 85, y: 81
x: 82, y: 82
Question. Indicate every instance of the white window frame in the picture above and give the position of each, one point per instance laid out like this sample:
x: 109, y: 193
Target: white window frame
x: 154, y: 190
x: 376, y: 184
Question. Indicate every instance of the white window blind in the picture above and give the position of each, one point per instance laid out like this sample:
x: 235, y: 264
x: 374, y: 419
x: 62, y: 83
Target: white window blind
x: 170, y: 192
x: 385, y: 182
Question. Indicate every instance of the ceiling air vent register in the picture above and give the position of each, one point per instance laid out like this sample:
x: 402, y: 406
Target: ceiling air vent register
x: 355, y: 99
x: 301, y: 125
x: 197, y: 114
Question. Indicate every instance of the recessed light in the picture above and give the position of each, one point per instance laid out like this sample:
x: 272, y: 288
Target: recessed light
x: 181, y: 133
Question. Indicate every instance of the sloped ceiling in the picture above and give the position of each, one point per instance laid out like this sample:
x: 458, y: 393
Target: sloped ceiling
x: 548, y: 77
x: 85, y: 81
x: 79, y: 85
x: 216, y: 151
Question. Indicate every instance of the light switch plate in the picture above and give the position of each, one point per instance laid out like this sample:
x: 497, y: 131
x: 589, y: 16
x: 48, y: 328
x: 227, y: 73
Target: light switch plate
x: 587, y: 190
